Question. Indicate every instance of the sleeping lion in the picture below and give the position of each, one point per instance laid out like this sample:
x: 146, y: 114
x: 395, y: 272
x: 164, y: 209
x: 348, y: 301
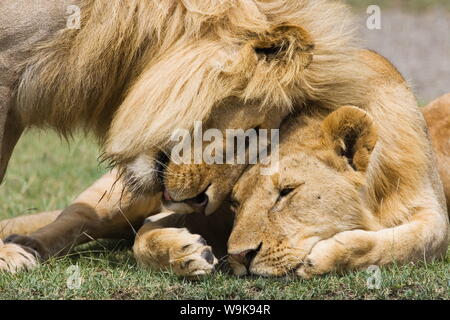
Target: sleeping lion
x: 312, y: 217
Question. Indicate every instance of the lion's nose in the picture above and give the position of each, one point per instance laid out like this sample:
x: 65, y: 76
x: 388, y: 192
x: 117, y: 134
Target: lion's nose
x: 246, y: 257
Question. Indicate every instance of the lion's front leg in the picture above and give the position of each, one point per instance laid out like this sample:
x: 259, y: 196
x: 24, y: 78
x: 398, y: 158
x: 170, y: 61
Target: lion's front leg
x: 187, y: 254
x: 10, y: 126
x: 13, y: 256
x: 423, y: 238
x: 102, y: 211
x: 343, y: 251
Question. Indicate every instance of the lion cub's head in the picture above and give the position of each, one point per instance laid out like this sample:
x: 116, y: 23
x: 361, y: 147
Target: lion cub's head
x: 317, y: 192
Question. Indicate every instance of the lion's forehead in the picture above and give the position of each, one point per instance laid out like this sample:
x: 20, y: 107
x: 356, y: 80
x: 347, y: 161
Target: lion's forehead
x: 301, y: 165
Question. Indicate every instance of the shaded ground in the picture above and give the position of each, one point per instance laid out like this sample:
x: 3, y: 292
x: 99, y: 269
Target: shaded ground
x: 418, y: 43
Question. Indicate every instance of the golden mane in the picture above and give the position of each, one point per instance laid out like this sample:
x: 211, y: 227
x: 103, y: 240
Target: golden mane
x: 137, y: 70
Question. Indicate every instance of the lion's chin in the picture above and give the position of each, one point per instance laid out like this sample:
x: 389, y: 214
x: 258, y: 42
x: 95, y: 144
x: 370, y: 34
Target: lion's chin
x: 291, y: 265
x: 142, y: 185
x: 266, y: 269
x: 145, y: 175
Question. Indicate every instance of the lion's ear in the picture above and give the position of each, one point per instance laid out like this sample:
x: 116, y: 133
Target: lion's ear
x: 351, y: 133
x: 284, y: 41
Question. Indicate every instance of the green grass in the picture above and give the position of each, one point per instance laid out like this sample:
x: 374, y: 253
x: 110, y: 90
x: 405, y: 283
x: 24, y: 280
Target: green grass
x: 114, y: 275
x: 46, y: 173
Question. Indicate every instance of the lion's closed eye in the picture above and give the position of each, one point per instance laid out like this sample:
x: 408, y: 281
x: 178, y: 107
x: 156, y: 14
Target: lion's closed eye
x: 288, y: 190
x: 284, y: 193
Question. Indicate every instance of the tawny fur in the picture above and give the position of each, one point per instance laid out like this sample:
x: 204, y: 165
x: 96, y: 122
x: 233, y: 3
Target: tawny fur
x: 160, y: 65
x: 105, y: 210
x: 402, y: 181
x: 308, y: 227
x: 27, y: 224
x: 396, y: 177
x: 437, y: 115
x: 138, y: 70
x: 327, y: 221
x: 152, y: 67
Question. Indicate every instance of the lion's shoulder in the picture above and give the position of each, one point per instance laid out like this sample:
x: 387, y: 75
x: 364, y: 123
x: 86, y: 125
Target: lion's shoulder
x: 437, y: 116
x: 381, y: 65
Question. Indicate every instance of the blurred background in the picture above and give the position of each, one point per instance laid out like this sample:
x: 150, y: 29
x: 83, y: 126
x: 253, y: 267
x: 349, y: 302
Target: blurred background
x: 415, y: 36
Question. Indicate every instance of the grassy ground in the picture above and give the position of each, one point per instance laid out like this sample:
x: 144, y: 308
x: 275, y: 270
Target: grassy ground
x: 46, y: 174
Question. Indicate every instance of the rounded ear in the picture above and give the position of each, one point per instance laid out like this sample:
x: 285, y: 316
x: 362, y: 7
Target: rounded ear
x: 284, y: 41
x: 351, y: 133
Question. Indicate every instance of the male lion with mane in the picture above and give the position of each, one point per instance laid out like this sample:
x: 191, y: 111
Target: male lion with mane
x: 232, y: 64
x: 137, y: 70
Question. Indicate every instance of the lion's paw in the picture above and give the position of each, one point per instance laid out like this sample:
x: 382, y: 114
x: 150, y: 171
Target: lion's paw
x: 187, y: 254
x: 321, y: 260
x: 346, y: 250
x: 14, y: 258
x: 191, y: 256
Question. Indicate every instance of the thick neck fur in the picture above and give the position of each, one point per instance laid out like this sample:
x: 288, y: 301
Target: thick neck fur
x: 161, y: 65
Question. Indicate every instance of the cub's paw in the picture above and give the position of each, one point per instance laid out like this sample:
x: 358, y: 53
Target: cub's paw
x: 187, y: 254
x: 15, y: 258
